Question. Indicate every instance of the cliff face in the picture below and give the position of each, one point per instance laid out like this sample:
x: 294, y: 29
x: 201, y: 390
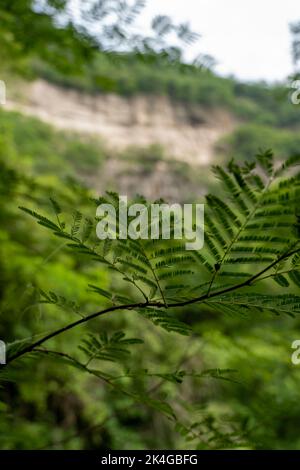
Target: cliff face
x: 188, y: 134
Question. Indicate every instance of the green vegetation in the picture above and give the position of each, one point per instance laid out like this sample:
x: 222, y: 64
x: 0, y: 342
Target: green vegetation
x: 43, y: 150
x: 91, y: 325
x: 214, y: 388
x: 129, y: 74
x: 247, y: 139
x: 265, y: 115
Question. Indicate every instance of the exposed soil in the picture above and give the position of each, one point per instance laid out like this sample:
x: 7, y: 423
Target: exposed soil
x: 188, y: 134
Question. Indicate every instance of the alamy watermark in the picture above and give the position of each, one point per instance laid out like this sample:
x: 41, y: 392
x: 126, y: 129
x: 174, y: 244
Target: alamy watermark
x: 154, y: 221
x: 295, y: 357
x: 2, y: 93
x: 295, y: 95
x: 2, y: 352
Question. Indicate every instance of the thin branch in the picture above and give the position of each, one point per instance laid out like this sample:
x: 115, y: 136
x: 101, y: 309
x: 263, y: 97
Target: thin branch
x: 237, y: 235
x: 155, y: 277
x: 72, y: 325
x: 245, y: 283
x: 133, y: 306
x: 93, y: 372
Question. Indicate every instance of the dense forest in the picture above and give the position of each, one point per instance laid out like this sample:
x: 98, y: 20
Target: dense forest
x: 141, y: 344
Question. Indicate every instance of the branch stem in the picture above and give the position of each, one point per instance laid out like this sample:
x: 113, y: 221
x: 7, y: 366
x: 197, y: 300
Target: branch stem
x: 146, y: 304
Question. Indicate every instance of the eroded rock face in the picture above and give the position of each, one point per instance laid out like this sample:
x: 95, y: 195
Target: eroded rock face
x: 187, y: 134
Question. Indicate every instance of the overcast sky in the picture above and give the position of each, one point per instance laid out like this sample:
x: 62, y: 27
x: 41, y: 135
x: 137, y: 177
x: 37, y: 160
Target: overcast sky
x: 249, y: 38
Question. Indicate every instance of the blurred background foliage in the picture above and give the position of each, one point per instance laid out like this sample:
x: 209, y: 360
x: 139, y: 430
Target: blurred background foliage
x: 50, y: 405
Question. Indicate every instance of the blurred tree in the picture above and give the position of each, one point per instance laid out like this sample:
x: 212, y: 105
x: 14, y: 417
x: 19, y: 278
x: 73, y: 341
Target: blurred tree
x: 66, y: 34
x: 295, y: 30
x: 31, y: 29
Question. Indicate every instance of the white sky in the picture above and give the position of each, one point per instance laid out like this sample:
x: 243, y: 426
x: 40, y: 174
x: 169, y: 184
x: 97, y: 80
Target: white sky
x: 249, y: 39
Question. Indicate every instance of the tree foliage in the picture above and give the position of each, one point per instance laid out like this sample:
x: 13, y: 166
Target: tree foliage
x: 251, y: 244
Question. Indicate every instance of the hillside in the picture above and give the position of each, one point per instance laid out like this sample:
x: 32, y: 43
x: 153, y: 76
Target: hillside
x: 139, y: 342
x: 157, y: 144
x: 187, y: 134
